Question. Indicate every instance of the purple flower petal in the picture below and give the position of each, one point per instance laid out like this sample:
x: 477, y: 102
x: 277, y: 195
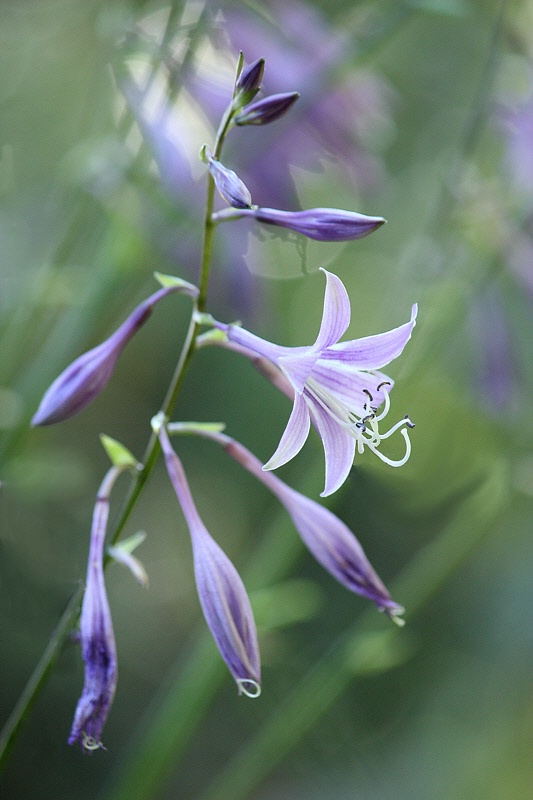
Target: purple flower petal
x: 294, y: 436
x: 336, y: 313
x: 339, y: 448
x: 373, y: 352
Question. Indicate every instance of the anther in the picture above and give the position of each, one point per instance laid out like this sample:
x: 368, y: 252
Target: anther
x: 383, y: 383
x: 369, y: 395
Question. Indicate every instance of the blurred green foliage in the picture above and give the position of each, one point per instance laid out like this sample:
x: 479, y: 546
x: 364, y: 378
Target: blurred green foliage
x: 350, y: 709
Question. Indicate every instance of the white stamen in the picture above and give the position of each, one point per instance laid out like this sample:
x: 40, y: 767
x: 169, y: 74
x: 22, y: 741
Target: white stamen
x: 364, y: 429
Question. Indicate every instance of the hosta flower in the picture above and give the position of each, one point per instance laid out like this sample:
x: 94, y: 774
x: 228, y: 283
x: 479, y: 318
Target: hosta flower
x: 337, y: 386
x: 96, y: 634
x: 221, y: 591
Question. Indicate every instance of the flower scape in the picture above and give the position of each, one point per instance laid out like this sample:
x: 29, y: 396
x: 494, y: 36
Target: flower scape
x: 335, y: 386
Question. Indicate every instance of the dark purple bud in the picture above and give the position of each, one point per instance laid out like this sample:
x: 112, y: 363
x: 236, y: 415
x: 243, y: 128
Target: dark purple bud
x: 221, y: 591
x: 229, y: 185
x: 249, y: 82
x: 85, y: 378
x: 267, y: 110
x: 322, y: 224
x: 96, y: 634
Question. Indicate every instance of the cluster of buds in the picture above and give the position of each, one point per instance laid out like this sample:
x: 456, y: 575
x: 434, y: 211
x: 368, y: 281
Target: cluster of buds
x: 335, y: 386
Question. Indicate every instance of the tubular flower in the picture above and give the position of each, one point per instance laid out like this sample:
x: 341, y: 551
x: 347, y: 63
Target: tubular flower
x: 96, y: 634
x: 321, y: 224
x: 337, y: 386
x: 85, y: 378
x: 221, y: 592
x: 329, y: 540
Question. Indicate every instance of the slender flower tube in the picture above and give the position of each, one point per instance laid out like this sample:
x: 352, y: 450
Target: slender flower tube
x: 328, y: 539
x: 85, y: 378
x: 96, y: 634
x: 321, y: 224
x: 337, y: 386
x: 268, y: 109
x: 221, y: 592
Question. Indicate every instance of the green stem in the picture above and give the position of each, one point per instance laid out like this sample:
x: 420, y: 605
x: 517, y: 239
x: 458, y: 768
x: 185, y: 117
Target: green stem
x: 40, y: 674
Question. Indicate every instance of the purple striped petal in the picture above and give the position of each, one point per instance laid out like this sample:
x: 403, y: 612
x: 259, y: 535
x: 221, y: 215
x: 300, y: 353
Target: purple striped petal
x: 339, y: 447
x: 373, y: 352
x: 336, y: 314
x: 294, y: 436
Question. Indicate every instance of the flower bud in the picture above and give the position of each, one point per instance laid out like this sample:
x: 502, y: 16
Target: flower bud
x: 221, y: 591
x: 322, y: 224
x: 249, y: 82
x: 229, y: 185
x: 266, y: 110
x: 96, y: 634
x: 85, y: 378
x: 329, y: 540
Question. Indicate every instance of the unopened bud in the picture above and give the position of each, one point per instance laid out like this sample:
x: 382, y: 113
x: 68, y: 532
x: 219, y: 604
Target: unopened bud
x: 249, y: 82
x: 267, y: 110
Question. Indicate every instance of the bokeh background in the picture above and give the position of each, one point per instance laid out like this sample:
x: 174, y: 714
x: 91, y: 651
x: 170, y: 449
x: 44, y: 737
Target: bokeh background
x: 418, y: 110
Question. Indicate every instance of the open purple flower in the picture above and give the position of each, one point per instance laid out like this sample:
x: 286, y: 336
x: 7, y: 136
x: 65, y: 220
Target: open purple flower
x: 337, y: 386
x: 84, y: 379
x: 96, y: 634
x: 221, y: 591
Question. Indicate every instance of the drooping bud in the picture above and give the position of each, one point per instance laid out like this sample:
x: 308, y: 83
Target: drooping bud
x: 221, y: 592
x: 249, y: 82
x: 266, y: 110
x: 329, y: 540
x: 85, y: 378
x: 322, y: 224
x: 96, y: 634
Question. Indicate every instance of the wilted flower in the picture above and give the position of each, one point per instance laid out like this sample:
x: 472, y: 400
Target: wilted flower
x: 337, y: 386
x: 85, y: 378
x: 96, y: 634
x: 228, y: 183
x: 222, y: 594
x: 268, y: 109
